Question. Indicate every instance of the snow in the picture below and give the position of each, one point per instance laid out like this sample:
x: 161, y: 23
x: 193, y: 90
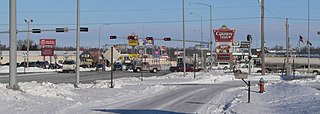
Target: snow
x: 45, y: 97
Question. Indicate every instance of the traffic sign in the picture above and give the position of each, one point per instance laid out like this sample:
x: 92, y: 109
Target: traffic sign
x: 107, y: 54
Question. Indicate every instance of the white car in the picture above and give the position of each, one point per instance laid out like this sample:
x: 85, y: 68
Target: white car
x: 69, y: 65
x: 223, y: 65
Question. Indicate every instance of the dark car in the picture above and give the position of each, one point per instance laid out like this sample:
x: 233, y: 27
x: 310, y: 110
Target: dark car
x: 189, y: 68
x: 117, y: 66
x: 55, y: 66
x: 99, y: 67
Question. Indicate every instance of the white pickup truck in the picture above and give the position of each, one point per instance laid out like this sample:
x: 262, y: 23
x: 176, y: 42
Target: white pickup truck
x: 304, y: 69
x: 244, y: 68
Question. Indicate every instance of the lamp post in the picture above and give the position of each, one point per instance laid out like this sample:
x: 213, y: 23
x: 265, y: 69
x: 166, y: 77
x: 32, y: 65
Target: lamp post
x: 210, y: 31
x: 183, y: 42
x: 202, y: 60
x: 100, y: 39
x: 28, y: 21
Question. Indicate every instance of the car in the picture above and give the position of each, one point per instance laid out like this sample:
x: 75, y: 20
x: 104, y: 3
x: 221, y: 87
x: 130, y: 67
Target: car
x: 223, y: 65
x: 117, y: 66
x: 99, y: 67
x: 189, y: 68
x: 54, y: 66
x: 127, y: 66
x: 69, y: 65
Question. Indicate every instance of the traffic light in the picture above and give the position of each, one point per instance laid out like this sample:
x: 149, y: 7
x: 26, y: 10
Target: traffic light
x: 249, y: 37
x: 149, y: 38
x: 84, y: 29
x: 167, y: 39
x: 113, y: 37
x: 130, y: 37
x: 36, y: 30
x: 250, y: 57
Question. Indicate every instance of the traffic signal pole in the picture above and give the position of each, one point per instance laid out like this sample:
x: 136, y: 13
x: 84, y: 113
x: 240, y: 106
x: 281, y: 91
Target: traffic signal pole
x: 13, y: 47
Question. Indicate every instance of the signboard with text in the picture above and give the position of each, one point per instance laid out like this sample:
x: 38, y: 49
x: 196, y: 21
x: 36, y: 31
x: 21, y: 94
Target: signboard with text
x: 223, y: 56
x: 224, y: 34
x: 47, y: 52
x: 47, y: 42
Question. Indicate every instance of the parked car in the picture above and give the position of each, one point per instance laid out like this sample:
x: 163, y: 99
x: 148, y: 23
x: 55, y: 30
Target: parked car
x: 68, y: 65
x: 189, y: 68
x: 117, y: 66
x: 54, y: 66
x: 99, y: 67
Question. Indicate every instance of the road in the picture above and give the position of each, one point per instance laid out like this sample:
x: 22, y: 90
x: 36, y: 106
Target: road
x: 85, y: 76
x: 188, y: 98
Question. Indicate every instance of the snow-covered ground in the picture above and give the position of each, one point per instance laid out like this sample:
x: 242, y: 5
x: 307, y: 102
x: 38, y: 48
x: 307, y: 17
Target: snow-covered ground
x: 45, y: 97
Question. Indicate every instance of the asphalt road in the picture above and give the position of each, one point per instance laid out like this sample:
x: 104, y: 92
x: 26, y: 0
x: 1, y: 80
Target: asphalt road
x: 85, y: 77
x: 188, y: 98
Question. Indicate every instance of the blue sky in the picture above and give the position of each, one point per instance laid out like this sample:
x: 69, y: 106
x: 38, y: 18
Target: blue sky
x: 163, y: 18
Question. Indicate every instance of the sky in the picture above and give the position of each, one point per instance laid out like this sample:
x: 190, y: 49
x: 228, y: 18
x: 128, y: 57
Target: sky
x: 163, y: 18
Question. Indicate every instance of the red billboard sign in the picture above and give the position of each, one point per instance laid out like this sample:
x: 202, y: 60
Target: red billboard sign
x: 223, y: 56
x: 224, y: 34
x: 47, y: 52
x: 48, y: 42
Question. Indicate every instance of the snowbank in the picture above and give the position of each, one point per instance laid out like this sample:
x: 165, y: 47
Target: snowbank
x: 280, y: 97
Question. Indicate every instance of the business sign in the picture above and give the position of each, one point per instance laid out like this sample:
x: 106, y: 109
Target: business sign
x: 133, y: 42
x: 244, y: 44
x: 223, y: 56
x: 163, y: 48
x: 224, y: 34
x: 236, y: 44
x: 47, y: 52
x: 223, y: 47
x: 47, y: 42
x: 133, y: 39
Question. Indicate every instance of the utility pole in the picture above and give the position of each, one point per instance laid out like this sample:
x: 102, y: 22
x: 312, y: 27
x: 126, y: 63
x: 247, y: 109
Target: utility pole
x: 262, y: 39
x: 13, y: 47
x: 288, y: 67
x: 183, y: 36
x: 308, y: 42
x: 28, y: 44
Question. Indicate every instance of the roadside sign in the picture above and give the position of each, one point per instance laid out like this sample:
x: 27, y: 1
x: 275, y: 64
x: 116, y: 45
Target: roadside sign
x: 224, y: 34
x: 48, y: 42
x: 133, y: 42
x: 236, y: 44
x: 47, y: 52
x: 107, y: 54
x: 244, y: 44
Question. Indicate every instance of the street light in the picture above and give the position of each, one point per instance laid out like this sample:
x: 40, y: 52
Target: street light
x: 202, y: 61
x: 210, y: 31
x: 28, y: 21
x: 183, y: 37
x: 100, y: 39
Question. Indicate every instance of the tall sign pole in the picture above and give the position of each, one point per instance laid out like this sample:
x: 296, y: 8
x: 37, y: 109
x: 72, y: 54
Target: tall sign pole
x: 211, y: 55
x: 13, y: 47
x: 262, y: 39
x: 78, y: 45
